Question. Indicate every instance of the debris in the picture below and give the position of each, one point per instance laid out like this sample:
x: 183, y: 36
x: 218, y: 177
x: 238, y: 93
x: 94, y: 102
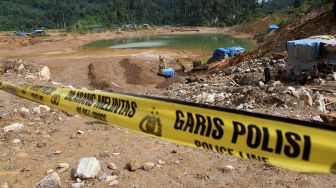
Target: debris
x: 148, y: 166
x: 50, y: 171
x: 160, y: 162
x: 13, y: 127
x: 50, y: 181
x: 293, y: 91
x: 210, y: 98
x: 62, y: 167
x: 41, y: 144
x: 87, y: 168
x: 80, y: 132
x: 112, y: 166
x: 133, y: 165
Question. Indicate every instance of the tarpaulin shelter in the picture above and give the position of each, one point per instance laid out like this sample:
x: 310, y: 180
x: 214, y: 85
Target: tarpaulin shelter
x: 304, y: 54
x: 272, y: 27
x: 221, y: 53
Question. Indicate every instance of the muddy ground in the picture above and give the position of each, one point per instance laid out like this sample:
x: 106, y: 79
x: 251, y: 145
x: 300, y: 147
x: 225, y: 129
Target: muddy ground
x: 25, y: 162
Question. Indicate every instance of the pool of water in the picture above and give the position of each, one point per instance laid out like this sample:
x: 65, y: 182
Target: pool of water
x: 203, y: 44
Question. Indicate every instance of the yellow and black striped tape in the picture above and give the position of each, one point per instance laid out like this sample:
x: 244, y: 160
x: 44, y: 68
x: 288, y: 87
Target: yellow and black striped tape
x: 288, y: 143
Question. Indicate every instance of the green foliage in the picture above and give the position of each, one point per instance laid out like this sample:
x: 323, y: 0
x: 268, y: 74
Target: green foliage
x: 79, y: 15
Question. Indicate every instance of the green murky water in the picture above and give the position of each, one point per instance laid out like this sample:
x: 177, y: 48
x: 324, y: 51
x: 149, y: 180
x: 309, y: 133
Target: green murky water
x: 203, y: 44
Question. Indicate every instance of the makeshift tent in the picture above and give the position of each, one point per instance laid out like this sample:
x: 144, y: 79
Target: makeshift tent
x: 221, y: 53
x: 304, y: 54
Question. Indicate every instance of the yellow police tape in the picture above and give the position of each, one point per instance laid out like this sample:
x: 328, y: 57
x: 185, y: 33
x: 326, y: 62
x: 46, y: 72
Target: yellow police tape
x: 288, y: 143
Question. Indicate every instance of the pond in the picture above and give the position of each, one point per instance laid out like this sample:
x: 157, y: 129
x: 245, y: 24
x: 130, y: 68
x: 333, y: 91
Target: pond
x: 203, y: 44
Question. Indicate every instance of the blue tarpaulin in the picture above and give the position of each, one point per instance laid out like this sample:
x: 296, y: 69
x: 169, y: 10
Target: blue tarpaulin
x: 221, y: 53
x: 273, y: 27
x: 169, y: 72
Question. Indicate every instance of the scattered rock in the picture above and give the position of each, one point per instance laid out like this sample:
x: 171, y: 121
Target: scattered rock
x: 58, y: 152
x: 16, y: 141
x: 229, y: 167
x: 114, y: 183
x: 148, y: 166
x: 80, y: 132
x: 160, y: 162
x: 50, y: 181
x: 41, y: 144
x: 112, y: 166
x: 305, y: 96
x: 317, y: 118
x: 293, y: 91
x: 77, y: 185
x: 24, y: 112
x: 87, y: 168
x: 45, y: 74
x: 210, y: 98
x: 110, y: 178
x: 333, y: 76
x: 133, y: 165
x: 13, y: 127
x: 62, y: 167
x: 50, y: 171
x: 319, y: 102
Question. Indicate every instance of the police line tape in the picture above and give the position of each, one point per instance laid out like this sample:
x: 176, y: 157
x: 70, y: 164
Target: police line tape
x: 288, y: 143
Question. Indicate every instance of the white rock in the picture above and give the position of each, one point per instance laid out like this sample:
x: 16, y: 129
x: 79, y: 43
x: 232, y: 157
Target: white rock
x: 112, y: 166
x: 319, y: 102
x: 333, y: 76
x: 114, y: 183
x: 210, y: 98
x: 21, y: 67
x: 160, y: 162
x: 13, y: 127
x: 317, y: 118
x: 148, y: 166
x: 111, y: 178
x: 87, y: 168
x: 45, y: 73
x: 45, y: 107
x: 16, y: 141
x: 50, y: 181
x: 261, y: 83
x: 50, y: 171
x: 77, y: 185
x: 37, y: 110
x: 229, y: 167
x: 62, y: 167
x: 80, y: 132
x: 293, y: 91
x: 304, y: 95
x: 24, y: 111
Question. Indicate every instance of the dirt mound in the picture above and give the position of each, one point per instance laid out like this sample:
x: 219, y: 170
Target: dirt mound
x: 137, y: 75
x: 99, y: 84
x: 170, y: 81
x: 312, y: 24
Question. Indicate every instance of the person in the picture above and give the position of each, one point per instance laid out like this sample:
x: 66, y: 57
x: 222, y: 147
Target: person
x: 314, y: 73
x: 162, y: 64
x: 267, y: 73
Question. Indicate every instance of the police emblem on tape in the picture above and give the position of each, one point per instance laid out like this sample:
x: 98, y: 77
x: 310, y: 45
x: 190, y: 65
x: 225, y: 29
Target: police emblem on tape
x: 333, y: 168
x: 151, y: 124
